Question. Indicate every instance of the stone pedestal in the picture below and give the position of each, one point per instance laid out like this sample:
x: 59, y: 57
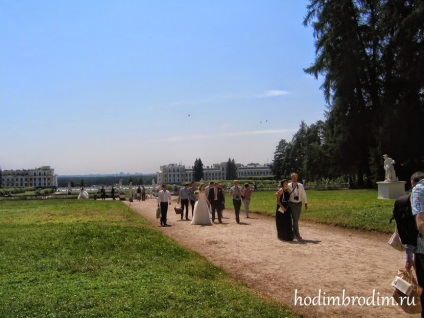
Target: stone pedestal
x: 391, y: 190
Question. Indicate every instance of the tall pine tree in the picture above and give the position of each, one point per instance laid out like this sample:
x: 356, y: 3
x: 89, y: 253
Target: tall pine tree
x: 198, y: 170
x: 231, y: 169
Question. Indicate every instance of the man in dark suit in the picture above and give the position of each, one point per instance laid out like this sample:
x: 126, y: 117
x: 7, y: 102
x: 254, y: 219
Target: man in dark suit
x: 216, y: 198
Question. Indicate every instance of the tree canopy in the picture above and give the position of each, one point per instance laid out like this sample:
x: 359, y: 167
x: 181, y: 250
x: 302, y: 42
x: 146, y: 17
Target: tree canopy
x: 198, y: 170
x: 370, y: 54
x: 231, y: 169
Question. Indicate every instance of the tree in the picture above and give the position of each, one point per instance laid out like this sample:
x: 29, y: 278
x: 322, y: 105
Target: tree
x: 279, y: 164
x: 317, y: 162
x: 231, y: 170
x: 307, y: 154
x: 370, y: 54
x: 198, y: 170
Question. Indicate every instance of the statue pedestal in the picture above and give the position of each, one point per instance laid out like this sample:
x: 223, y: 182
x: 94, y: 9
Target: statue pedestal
x: 391, y: 190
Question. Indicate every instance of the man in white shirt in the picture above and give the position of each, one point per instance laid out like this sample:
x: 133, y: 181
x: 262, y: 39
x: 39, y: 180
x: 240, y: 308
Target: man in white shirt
x: 297, y: 196
x: 164, y: 199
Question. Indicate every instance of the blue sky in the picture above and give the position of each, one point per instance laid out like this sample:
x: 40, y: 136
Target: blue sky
x: 110, y: 86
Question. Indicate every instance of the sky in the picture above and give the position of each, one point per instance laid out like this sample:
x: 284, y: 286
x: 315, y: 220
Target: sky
x: 102, y: 86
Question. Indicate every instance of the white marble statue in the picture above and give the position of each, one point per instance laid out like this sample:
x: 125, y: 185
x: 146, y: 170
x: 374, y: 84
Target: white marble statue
x: 390, y: 174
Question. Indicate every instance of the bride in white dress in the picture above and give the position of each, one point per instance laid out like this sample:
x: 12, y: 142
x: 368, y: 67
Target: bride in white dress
x: 201, y: 208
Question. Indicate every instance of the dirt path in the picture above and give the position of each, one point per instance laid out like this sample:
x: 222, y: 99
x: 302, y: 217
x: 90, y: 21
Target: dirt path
x: 329, y: 262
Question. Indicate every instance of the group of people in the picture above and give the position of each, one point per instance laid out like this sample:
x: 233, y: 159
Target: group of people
x: 141, y: 193
x: 289, y: 206
x: 204, y: 201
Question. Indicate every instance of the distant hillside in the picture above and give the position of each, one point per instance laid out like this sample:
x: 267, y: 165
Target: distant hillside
x: 104, y: 179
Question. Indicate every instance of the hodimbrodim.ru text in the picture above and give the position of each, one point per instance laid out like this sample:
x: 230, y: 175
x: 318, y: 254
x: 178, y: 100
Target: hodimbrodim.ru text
x: 344, y: 299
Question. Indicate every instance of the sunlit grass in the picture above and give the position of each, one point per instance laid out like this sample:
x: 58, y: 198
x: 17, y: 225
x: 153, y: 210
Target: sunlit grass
x: 71, y: 258
x: 349, y: 208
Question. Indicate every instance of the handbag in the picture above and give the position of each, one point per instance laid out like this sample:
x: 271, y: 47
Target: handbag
x: 407, y: 292
x: 178, y: 210
x: 158, y: 213
x: 395, y: 242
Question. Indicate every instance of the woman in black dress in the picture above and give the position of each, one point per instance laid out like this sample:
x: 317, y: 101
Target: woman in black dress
x: 283, y: 216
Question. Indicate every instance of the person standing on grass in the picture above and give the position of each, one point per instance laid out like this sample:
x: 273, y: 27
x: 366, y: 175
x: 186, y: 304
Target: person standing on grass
x: 246, y: 195
x: 112, y: 193
x: 164, y: 200
x: 235, y: 193
x: 103, y: 193
x: 297, y: 196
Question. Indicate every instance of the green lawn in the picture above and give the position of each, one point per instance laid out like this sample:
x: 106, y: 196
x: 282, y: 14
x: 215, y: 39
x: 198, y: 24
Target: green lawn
x: 73, y: 258
x: 348, y: 208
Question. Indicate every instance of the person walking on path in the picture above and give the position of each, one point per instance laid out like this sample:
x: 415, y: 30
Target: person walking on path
x: 143, y: 193
x: 139, y: 193
x: 164, y: 200
x: 193, y: 199
x: 183, y: 198
x: 297, y: 196
x: 283, y: 218
x: 216, y: 199
x: 246, y: 195
x: 235, y: 193
x: 201, y: 209
x: 208, y: 187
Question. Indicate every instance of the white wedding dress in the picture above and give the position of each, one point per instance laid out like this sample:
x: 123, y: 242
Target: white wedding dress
x: 201, y: 211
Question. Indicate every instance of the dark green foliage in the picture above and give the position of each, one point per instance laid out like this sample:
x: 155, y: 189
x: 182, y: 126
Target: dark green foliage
x: 198, y: 170
x: 371, y: 56
x: 231, y: 173
x: 106, y: 180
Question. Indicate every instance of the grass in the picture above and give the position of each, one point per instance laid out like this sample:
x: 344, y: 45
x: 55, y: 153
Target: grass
x: 348, y: 208
x: 73, y: 258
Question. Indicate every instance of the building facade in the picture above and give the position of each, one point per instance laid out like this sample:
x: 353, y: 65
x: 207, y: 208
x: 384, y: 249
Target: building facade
x: 43, y: 177
x: 175, y: 173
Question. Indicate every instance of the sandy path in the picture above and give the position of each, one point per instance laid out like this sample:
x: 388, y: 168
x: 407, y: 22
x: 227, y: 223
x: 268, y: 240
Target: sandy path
x: 330, y: 260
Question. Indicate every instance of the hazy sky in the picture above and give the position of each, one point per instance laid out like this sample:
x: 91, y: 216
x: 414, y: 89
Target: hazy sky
x: 108, y: 86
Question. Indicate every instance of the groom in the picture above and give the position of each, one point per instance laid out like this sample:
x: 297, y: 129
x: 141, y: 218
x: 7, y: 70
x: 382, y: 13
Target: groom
x: 216, y: 198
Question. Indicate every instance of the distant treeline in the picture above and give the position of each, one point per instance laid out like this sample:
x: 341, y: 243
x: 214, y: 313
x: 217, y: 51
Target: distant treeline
x: 91, y: 180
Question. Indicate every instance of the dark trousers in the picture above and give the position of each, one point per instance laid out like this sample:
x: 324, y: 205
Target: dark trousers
x: 164, y: 212
x: 143, y: 196
x: 184, y: 203
x: 237, y: 205
x: 419, y: 270
x: 192, y: 202
x: 216, y: 206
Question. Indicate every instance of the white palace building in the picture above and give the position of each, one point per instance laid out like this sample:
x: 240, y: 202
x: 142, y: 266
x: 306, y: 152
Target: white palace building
x: 39, y: 177
x: 177, y: 173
